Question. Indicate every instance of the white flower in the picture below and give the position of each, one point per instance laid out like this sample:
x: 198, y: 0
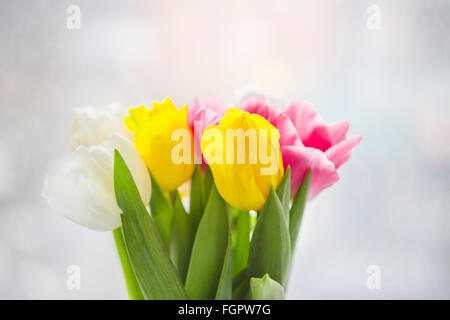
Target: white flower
x: 92, y: 126
x: 86, y: 195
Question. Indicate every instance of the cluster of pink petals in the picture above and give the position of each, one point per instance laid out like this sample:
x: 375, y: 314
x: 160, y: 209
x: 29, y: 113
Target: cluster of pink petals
x: 307, y: 142
x: 202, y: 113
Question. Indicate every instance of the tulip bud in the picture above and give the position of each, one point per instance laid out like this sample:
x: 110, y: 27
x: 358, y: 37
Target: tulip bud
x: 85, y: 195
x: 243, y: 152
x: 92, y: 126
x: 158, y: 132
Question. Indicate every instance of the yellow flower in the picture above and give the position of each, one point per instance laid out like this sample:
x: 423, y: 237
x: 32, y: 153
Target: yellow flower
x: 243, y: 152
x: 157, y: 138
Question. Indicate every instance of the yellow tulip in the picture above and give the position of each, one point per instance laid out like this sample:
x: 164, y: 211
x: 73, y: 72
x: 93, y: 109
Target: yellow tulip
x: 157, y: 134
x: 243, y: 152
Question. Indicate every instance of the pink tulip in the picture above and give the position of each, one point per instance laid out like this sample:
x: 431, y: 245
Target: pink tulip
x: 202, y: 113
x: 264, y: 107
x: 307, y: 142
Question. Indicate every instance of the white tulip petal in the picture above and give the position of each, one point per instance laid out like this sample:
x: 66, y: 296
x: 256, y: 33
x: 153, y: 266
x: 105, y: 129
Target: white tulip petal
x: 74, y: 197
x: 92, y: 126
x: 104, y: 159
x: 84, y: 163
x: 136, y: 165
x: 86, y: 194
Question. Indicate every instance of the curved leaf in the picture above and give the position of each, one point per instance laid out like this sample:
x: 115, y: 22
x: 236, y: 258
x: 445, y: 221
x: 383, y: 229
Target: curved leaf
x: 162, y: 211
x: 284, y: 192
x: 225, y: 288
x: 181, y: 238
x: 270, y: 249
x: 298, y: 207
x: 209, y: 250
x: 157, y: 277
x: 134, y: 291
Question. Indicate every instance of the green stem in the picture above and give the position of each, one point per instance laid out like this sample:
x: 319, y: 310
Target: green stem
x: 134, y: 291
x: 242, y: 247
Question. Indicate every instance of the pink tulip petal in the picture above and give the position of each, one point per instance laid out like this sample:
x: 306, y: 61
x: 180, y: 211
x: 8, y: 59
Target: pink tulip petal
x: 261, y: 106
x: 288, y: 133
x: 311, y: 128
x: 337, y: 131
x: 264, y: 108
x: 304, y: 118
x: 204, y: 103
x: 202, y: 113
x: 302, y: 159
x: 341, y: 152
x: 318, y: 139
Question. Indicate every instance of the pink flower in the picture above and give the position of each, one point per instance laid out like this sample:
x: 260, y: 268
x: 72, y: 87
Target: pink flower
x: 202, y: 113
x: 265, y: 108
x: 307, y: 143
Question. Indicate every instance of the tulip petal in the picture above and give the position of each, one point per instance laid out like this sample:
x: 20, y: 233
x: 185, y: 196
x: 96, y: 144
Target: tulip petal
x: 304, y: 118
x: 77, y: 198
x: 228, y: 176
x: 288, y: 132
x: 341, y: 152
x: 155, y: 142
x: 337, y: 131
x: 91, y: 126
x: 311, y: 128
x: 134, y: 161
x: 244, y: 186
x: 86, y: 195
x: 202, y: 113
x: 203, y: 103
x: 302, y: 159
x: 261, y: 106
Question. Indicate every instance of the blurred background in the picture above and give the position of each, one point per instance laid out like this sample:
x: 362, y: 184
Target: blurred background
x: 391, y: 79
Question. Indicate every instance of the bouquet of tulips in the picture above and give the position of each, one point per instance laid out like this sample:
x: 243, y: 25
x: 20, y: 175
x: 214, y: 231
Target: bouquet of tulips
x: 205, y: 201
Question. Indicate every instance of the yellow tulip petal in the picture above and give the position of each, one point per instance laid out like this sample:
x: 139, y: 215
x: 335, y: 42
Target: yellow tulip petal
x: 243, y: 186
x: 153, y: 140
x: 137, y: 115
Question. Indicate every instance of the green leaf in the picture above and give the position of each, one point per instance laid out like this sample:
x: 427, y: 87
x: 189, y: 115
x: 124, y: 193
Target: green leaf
x: 242, y: 241
x: 266, y: 289
x: 156, y: 275
x: 240, y: 285
x: 225, y: 288
x: 181, y: 238
x: 134, y: 292
x: 239, y: 278
x: 209, y: 250
x: 208, y: 183
x: 284, y: 192
x: 240, y: 292
x: 162, y: 211
x: 198, y: 196
x: 298, y: 207
x: 270, y: 249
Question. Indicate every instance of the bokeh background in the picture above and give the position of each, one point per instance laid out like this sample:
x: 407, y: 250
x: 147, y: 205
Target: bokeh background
x: 391, y: 207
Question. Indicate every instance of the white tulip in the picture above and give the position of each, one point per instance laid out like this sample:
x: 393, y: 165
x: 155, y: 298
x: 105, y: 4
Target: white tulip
x: 86, y: 195
x: 92, y: 126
